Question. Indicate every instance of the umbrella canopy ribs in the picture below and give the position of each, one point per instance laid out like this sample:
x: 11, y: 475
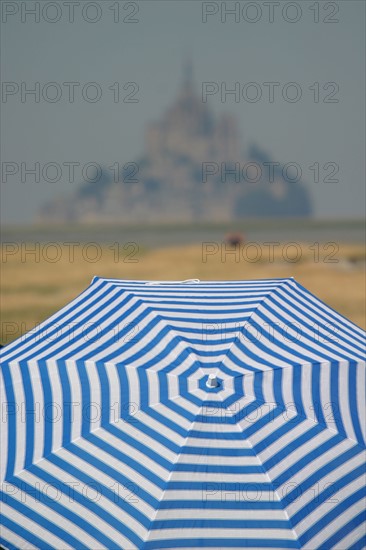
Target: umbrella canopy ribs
x: 193, y: 414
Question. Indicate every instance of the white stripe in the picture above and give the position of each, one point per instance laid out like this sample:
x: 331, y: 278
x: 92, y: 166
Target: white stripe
x: 326, y: 507
x: 219, y: 492
x: 343, y: 409
x: 93, y: 411
x: 336, y: 524
x: 212, y: 533
x: 41, y: 532
x: 220, y: 514
x: 326, y: 482
x: 90, y: 294
x: 57, y: 409
x: 76, y: 404
x: 353, y: 536
x: 138, y: 479
x: 360, y: 396
x: 39, y: 407
x: 81, y: 510
x: 19, y: 399
x: 17, y: 540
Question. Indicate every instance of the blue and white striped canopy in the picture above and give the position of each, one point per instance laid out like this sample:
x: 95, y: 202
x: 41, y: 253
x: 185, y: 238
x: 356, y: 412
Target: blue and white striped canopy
x: 114, y: 435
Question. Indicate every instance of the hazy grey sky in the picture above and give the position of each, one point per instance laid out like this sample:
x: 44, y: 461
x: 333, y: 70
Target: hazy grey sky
x: 150, y: 52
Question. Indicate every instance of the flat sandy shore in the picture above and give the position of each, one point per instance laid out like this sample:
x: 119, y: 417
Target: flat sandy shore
x: 36, y: 285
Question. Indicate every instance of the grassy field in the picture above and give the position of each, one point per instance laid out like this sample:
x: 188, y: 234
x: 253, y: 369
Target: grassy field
x: 34, y: 286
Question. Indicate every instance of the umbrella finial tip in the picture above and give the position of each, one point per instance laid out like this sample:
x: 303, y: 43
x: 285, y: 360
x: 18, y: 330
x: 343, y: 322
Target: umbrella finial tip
x: 212, y: 381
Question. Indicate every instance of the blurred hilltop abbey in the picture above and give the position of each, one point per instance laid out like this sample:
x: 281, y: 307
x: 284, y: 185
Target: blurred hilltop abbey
x: 193, y: 169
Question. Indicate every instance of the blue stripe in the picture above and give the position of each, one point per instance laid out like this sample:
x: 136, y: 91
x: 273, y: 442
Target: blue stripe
x: 89, y: 505
x: 118, y: 476
x: 27, y: 535
x: 221, y: 485
x: 331, y: 516
x: 89, y: 318
x: 352, y: 396
x: 218, y: 451
x: 335, y: 342
x: 49, y: 413
x: 49, y: 334
x: 28, y: 512
x: 328, y: 494
x: 5, y: 543
x: 29, y: 413
x: 338, y: 318
x: 12, y: 407
x: 210, y: 468
x: 220, y: 543
x: 332, y: 465
x: 183, y: 332
x: 359, y: 544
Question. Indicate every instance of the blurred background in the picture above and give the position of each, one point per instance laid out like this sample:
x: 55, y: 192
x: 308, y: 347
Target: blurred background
x: 174, y: 140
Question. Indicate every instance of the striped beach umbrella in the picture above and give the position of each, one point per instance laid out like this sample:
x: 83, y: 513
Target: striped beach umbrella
x: 185, y: 415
